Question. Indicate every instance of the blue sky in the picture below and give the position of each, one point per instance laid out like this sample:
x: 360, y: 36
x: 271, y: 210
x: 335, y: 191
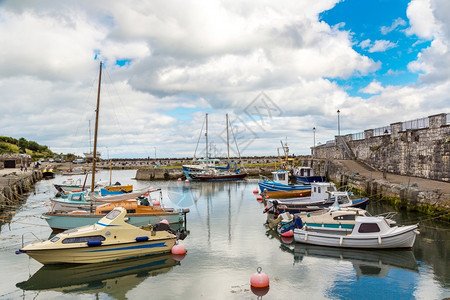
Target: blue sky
x: 382, y: 23
x: 278, y: 69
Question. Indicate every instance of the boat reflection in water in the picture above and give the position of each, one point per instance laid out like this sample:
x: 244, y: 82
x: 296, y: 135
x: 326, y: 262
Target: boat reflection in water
x: 368, y: 263
x: 113, y: 278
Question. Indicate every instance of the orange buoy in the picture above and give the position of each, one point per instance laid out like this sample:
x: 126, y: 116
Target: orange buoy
x: 156, y: 203
x: 301, y: 195
x: 287, y: 240
x: 259, y: 198
x: 178, y: 249
x: 164, y: 221
x: 289, y: 233
x: 255, y: 192
x: 259, y: 280
x: 179, y: 179
x: 187, y: 181
x: 260, y: 291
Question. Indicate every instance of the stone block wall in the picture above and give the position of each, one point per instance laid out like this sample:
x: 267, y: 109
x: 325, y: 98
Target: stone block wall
x: 421, y: 152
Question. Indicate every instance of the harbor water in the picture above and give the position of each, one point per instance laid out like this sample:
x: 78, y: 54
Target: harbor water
x: 226, y: 244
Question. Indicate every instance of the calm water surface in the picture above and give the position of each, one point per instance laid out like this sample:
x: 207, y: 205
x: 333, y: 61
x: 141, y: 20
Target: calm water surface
x: 226, y: 244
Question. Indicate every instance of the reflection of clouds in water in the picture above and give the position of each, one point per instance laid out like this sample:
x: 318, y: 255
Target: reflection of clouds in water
x: 427, y: 287
x: 180, y: 195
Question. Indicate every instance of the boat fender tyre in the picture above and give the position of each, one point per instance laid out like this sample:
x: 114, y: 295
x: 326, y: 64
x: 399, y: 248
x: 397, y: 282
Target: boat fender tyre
x: 94, y: 243
x: 141, y: 238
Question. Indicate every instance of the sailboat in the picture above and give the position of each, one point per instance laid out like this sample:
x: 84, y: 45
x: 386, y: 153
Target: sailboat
x: 216, y: 173
x: 203, y: 164
x: 73, y: 209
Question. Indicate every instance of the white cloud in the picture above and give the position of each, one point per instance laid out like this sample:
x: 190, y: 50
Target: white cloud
x: 421, y: 19
x: 374, y: 87
x: 365, y: 44
x: 381, y: 45
x: 430, y: 20
x: 188, y: 58
x: 399, y: 22
x: 376, y: 46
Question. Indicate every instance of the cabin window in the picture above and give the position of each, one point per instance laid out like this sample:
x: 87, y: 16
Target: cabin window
x: 368, y: 228
x: 281, y: 176
x: 318, y: 189
x: 83, y: 239
x: 113, y: 214
x: 76, y: 198
x: 345, y: 217
x: 131, y: 211
x: 55, y: 239
x: 315, y: 190
x: 342, y: 199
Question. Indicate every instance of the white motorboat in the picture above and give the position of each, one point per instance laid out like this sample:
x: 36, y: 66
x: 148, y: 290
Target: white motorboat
x: 367, y: 233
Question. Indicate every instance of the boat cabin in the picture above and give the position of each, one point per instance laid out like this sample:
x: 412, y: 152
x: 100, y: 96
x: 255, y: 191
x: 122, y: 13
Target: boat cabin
x: 304, y: 171
x: 370, y: 226
x: 339, y: 197
x: 306, y: 175
x: 78, y: 196
x: 321, y: 191
x: 281, y: 177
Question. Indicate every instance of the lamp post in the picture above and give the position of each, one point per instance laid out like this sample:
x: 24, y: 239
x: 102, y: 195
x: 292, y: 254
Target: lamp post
x: 314, y: 134
x: 339, y: 125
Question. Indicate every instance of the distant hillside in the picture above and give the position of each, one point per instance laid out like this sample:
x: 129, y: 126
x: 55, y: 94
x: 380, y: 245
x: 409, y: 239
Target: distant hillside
x: 12, y: 145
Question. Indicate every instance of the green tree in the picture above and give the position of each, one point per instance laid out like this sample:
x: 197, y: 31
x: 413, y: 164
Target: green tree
x: 33, y: 146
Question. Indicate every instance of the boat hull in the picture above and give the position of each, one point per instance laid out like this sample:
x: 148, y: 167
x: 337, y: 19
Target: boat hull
x: 404, y: 238
x: 296, y: 208
x: 103, y: 253
x: 204, y: 177
x: 64, y: 221
x: 277, y: 190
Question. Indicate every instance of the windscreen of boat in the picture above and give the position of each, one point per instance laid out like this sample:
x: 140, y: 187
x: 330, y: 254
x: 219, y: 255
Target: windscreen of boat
x: 83, y: 239
x: 342, y: 199
x: 368, y: 228
x: 113, y: 214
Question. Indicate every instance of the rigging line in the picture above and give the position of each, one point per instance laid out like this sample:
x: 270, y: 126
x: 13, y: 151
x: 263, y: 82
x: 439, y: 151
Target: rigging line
x: 85, y: 104
x: 234, y: 137
x: 125, y: 109
x: 109, y: 98
x: 199, y: 137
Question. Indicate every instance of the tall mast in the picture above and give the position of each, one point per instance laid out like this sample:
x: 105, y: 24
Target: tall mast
x: 206, y: 135
x: 228, y: 142
x: 90, y: 137
x: 96, y: 128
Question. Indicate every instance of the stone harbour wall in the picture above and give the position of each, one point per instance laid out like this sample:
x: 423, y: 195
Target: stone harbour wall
x: 423, y: 152
x: 403, y: 196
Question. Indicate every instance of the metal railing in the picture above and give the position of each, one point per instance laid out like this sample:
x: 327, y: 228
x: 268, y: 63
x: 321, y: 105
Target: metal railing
x: 416, y: 124
x: 382, y: 131
x: 358, y: 136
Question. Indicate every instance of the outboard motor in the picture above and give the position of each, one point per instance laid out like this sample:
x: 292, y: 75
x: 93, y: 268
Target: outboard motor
x: 298, y: 221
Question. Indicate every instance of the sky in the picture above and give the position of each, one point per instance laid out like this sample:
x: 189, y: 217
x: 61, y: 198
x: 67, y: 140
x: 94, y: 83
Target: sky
x: 277, y: 68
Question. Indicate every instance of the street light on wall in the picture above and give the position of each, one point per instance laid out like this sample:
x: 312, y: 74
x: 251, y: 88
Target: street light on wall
x: 314, y: 134
x: 339, y: 125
